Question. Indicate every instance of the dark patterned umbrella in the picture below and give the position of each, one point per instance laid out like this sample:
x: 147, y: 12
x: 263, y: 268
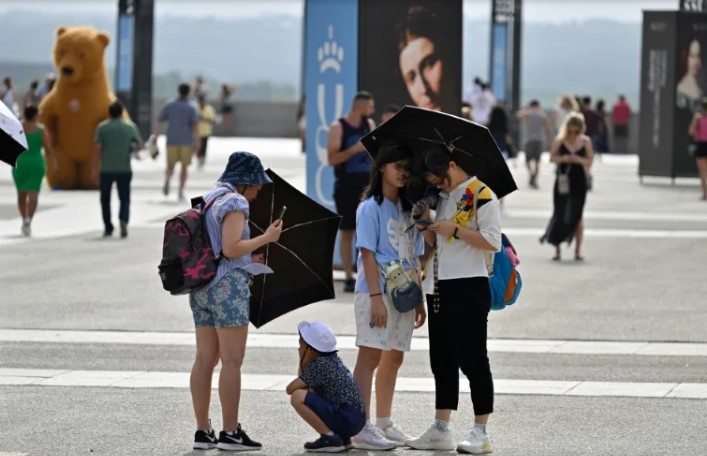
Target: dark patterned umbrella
x: 301, y: 259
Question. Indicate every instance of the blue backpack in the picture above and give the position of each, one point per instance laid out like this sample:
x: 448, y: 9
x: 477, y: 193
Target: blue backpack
x: 504, y: 279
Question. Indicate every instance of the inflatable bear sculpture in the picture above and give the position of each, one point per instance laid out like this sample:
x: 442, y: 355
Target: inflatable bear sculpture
x: 77, y: 104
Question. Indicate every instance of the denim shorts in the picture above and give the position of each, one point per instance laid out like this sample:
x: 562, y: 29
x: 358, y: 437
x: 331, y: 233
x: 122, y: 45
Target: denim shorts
x: 344, y: 420
x: 223, y: 304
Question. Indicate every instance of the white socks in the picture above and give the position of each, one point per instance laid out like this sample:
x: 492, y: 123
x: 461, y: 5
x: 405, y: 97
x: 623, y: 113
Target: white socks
x: 384, y: 422
x: 442, y: 426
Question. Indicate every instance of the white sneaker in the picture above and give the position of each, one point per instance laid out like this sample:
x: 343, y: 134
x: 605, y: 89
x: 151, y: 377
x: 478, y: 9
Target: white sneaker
x: 477, y: 442
x: 26, y: 228
x: 433, y: 439
x: 396, y: 435
x: 372, y: 438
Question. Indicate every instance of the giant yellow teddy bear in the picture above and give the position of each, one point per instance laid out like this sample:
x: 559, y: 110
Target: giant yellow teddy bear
x: 76, y: 105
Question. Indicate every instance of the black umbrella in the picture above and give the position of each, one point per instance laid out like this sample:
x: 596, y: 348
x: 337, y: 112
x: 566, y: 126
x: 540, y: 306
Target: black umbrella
x: 301, y: 259
x: 12, y: 137
x: 472, y: 146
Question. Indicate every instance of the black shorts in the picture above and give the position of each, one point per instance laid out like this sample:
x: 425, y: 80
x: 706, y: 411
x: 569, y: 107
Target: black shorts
x: 201, y: 153
x: 343, y: 420
x: 347, y: 196
x: 533, y: 151
x: 620, y: 131
x: 701, y: 150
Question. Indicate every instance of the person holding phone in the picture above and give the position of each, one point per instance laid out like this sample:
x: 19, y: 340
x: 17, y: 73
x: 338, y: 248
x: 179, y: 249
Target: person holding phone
x: 221, y: 308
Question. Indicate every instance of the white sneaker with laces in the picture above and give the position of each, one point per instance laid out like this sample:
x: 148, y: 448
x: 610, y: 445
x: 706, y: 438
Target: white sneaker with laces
x: 477, y: 442
x: 395, y: 434
x: 433, y: 439
x: 372, y: 438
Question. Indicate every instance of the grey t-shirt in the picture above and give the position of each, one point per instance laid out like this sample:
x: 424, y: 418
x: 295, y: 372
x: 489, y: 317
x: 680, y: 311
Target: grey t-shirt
x: 180, y: 115
x: 534, y: 126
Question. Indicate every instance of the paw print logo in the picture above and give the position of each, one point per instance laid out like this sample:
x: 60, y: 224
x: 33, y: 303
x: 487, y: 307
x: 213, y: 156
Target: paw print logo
x: 330, y: 55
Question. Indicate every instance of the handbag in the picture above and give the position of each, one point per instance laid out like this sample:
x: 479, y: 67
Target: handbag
x: 563, y: 182
x: 403, y: 290
x: 590, y: 179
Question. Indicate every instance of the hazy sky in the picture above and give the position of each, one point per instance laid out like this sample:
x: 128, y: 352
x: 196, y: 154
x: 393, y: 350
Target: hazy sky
x: 534, y: 10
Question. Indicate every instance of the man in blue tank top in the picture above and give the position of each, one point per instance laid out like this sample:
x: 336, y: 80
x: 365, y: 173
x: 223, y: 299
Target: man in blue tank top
x: 352, y: 169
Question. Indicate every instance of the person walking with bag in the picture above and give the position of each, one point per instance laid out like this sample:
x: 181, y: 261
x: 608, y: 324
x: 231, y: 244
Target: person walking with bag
x: 573, y: 154
x: 698, y: 132
x: 31, y: 166
x: 466, y: 230
x: 221, y: 308
x: 384, y: 324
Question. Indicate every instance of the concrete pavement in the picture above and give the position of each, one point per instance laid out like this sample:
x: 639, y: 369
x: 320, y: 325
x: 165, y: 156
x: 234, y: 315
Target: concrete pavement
x: 633, y: 316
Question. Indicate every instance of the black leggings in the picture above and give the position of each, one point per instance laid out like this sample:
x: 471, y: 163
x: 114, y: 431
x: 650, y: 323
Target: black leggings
x: 458, y: 340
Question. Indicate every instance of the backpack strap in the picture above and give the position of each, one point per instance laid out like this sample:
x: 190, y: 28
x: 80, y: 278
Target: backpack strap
x: 488, y: 257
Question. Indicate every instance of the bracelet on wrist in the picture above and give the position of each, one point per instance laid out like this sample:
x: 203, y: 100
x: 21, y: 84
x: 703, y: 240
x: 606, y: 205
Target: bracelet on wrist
x: 373, y: 295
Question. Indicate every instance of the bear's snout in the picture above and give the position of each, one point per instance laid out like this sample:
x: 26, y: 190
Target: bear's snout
x: 67, y: 70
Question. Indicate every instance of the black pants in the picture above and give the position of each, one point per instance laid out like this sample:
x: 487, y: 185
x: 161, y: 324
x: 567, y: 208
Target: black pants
x: 458, y: 340
x: 122, y: 180
x: 201, y: 153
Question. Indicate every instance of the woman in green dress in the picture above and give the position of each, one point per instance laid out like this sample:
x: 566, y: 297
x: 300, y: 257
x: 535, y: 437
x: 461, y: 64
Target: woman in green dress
x: 30, y: 168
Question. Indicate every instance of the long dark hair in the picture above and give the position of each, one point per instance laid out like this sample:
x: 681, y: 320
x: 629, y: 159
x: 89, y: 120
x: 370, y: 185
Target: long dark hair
x: 498, y: 120
x: 388, y: 153
x: 437, y: 160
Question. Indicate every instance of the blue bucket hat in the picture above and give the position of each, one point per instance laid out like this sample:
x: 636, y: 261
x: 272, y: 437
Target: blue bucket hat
x: 244, y: 168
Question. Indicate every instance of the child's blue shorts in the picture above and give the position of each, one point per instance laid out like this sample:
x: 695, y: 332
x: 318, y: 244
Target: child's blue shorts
x: 344, y: 420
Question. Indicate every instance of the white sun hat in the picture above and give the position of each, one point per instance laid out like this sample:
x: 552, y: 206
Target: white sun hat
x: 318, y: 336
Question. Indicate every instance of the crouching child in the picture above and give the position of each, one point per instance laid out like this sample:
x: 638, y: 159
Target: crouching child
x: 325, y: 394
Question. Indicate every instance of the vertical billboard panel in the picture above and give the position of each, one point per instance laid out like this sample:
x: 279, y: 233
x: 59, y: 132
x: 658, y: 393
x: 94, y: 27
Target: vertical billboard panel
x: 690, y: 86
x: 499, y: 62
x: 411, y: 53
x: 331, y: 53
x: 657, y: 94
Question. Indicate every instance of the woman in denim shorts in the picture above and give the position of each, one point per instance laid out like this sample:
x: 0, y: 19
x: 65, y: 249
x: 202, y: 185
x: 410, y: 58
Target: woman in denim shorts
x: 221, y: 308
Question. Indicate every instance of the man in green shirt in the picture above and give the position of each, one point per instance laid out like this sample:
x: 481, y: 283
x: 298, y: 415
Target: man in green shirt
x: 114, y: 143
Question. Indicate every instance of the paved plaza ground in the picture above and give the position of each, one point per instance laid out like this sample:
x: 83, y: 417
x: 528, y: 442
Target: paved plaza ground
x: 605, y: 357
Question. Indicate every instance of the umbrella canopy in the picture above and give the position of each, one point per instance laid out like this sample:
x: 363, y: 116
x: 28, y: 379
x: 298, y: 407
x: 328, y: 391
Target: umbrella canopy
x: 12, y: 136
x: 472, y: 146
x: 301, y: 259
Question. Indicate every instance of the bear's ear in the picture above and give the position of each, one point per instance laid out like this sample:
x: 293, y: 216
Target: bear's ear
x: 103, y: 38
x: 60, y: 31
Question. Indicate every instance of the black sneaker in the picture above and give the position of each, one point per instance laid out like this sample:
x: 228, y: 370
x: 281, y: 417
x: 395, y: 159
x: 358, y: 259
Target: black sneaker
x: 326, y: 444
x: 123, y: 230
x: 205, y: 440
x: 349, y: 286
x: 238, y: 441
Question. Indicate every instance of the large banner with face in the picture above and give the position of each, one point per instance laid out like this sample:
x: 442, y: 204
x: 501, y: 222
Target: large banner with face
x: 331, y: 53
x: 690, y: 86
x: 410, y: 52
x: 657, y: 94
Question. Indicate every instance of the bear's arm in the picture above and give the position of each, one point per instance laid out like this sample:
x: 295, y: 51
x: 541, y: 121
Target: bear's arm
x: 48, y: 116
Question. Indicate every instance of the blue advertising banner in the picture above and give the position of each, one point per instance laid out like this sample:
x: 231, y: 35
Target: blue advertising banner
x: 124, y: 70
x: 499, y: 61
x: 331, y: 68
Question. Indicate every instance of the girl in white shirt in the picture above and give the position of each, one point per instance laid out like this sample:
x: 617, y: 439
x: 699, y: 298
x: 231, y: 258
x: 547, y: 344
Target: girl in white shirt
x: 458, y: 298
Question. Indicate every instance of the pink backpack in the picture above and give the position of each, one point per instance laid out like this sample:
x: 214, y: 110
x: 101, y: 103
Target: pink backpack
x: 188, y: 260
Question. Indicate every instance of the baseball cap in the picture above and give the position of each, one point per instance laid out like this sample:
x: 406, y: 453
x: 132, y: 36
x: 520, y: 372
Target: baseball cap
x: 318, y: 336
